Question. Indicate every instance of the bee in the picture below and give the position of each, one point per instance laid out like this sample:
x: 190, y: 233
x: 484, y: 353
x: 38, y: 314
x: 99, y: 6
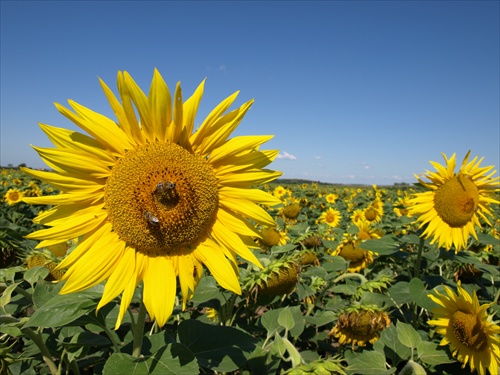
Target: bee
x: 161, y: 187
x: 151, y: 218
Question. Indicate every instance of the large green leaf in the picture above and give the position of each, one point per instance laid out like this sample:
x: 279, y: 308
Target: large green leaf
x: 408, y: 336
x: 367, y: 363
x: 217, y: 348
x: 400, y: 293
x: 173, y: 359
x: 391, y: 347
x: 429, y: 353
x: 419, y: 294
x: 63, y: 309
x: 386, y: 245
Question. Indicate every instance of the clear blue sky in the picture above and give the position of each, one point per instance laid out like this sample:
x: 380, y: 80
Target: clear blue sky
x: 354, y: 92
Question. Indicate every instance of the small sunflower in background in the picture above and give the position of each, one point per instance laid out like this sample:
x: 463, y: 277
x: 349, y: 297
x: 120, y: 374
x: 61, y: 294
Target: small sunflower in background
x: 331, y: 198
x: 13, y: 196
x: 455, y: 202
x: 360, y: 325
x: 153, y: 201
x: 467, y: 329
x: 331, y: 217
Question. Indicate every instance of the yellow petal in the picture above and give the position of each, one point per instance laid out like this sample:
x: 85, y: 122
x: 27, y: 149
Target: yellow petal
x: 208, y: 126
x: 236, y: 223
x: 248, y: 209
x: 160, y: 105
x: 253, y: 195
x: 120, y: 277
x: 74, y: 163
x: 210, y: 255
x: 189, y: 111
x: 249, y: 178
x: 93, y: 267
x: 65, y: 138
x: 64, y: 183
x: 175, y: 128
x: 135, y: 130
x: 141, y: 103
x: 236, y: 164
x: 160, y: 289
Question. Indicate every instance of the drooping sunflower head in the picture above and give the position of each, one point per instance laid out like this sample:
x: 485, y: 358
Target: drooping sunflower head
x: 272, y: 236
x: 358, y: 258
x: 455, y: 202
x: 153, y: 201
x: 360, y: 325
x: 468, y: 330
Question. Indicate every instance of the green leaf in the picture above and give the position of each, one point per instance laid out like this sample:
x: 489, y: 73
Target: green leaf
x: 217, y: 348
x: 348, y: 290
x: 321, y: 318
x: 44, y: 291
x: 408, y: 336
x: 63, y: 309
x: 386, y: 245
x: 367, y: 363
x: 6, y: 295
x: 270, y: 322
x: 285, y: 319
x: 34, y: 274
x: 207, y: 290
x: 400, y: 293
x: 391, y: 347
x: 419, y: 294
x: 429, y: 353
x: 173, y: 359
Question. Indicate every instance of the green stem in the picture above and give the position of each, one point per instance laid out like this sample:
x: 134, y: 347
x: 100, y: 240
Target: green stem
x: 416, y: 271
x: 497, y: 296
x: 116, y: 346
x: 47, y: 357
x: 138, y: 330
x: 351, y: 275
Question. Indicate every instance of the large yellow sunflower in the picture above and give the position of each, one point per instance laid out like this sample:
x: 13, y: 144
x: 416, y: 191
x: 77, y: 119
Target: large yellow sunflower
x: 468, y: 329
x: 455, y: 202
x: 152, y: 200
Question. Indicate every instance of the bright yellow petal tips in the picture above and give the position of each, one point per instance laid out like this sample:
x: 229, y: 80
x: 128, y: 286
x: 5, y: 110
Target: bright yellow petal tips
x: 150, y: 200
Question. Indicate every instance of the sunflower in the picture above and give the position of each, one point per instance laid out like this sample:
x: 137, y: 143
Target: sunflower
x: 272, y: 236
x: 331, y: 217
x: 331, y: 198
x: 152, y: 200
x: 467, y: 328
x: 366, y: 232
x: 358, y: 258
x: 456, y: 201
x: 360, y: 325
x: 13, y: 196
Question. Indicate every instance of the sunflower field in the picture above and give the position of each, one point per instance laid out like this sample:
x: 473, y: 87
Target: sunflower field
x: 149, y: 247
x: 344, y: 289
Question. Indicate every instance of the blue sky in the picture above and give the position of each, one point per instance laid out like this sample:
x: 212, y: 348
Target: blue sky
x: 354, y: 92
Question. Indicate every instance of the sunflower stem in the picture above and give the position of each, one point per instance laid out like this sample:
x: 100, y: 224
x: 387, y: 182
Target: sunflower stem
x: 416, y: 271
x: 47, y: 357
x: 138, y: 330
x: 351, y: 275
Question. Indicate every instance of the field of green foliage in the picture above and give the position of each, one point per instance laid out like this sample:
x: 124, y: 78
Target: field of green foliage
x: 344, y: 290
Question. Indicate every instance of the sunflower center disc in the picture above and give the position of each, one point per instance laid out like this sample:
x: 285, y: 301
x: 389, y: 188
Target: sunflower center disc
x: 161, y: 198
x: 456, y: 201
x: 469, y: 330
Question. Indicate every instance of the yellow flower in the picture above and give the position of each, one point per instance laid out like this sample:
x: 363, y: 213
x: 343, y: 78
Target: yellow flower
x: 271, y: 236
x: 357, y: 215
x: 360, y: 325
x: 331, y: 217
x: 358, y: 258
x: 153, y: 201
x: 13, y: 196
x: 455, y: 203
x: 401, y: 206
x: 366, y: 232
x: 467, y: 329
x: 331, y: 198
x: 279, y: 191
